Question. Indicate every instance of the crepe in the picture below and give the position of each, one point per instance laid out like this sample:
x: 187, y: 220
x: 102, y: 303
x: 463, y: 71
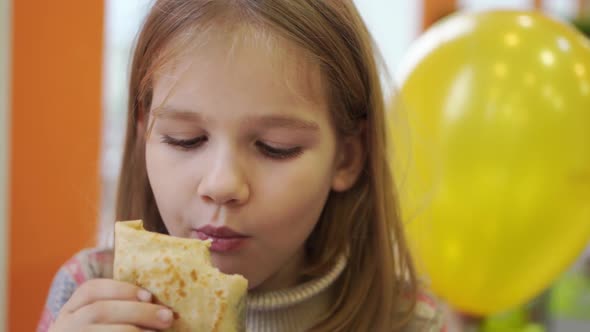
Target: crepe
x: 178, y: 272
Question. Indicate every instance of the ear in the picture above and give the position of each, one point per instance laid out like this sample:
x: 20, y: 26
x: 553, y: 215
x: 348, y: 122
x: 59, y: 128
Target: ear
x: 351, y: 157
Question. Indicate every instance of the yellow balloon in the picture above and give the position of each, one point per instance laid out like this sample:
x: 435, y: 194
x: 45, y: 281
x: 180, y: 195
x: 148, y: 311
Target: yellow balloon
x: 495, y: 184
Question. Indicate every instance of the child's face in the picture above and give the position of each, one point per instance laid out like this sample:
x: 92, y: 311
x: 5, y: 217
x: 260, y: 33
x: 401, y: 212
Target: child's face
x: 257, y: 158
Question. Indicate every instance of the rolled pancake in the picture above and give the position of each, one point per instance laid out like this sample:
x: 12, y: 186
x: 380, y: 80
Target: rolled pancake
x: 178, y: 272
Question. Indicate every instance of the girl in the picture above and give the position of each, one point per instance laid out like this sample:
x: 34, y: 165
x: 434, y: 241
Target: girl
x: 259, y: 125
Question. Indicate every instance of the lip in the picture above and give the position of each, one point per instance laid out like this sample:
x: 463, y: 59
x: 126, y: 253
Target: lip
x: 219, y: 232
x: 223, y: 239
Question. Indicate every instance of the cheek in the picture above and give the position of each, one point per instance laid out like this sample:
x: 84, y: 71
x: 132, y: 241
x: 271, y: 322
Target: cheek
x: 157, y: 169
x: 165, y: 178
x: 293, y: 199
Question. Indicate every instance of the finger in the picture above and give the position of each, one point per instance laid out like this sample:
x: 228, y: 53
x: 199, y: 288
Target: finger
x: 146, y: 315
x: 105, y: 289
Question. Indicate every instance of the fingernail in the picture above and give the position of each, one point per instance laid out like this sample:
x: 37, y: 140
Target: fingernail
x: 144, y: 296
x: 164, y: 315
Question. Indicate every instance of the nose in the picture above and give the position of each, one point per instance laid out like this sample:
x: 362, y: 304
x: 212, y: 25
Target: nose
x: 224, y: 182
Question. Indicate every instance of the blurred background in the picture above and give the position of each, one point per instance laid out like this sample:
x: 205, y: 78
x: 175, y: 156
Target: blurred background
x: 63, y: 85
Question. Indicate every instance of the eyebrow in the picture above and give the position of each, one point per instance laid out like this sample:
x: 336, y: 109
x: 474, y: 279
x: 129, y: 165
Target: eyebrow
x: 288, y: 122
x: 178, y: 114
x: 273, y: 121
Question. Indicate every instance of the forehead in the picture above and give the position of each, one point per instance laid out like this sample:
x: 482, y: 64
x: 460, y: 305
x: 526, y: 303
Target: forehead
x: 244, y: 61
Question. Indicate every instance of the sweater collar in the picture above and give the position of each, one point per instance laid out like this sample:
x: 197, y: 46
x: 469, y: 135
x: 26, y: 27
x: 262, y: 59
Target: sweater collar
x: 279, y: 299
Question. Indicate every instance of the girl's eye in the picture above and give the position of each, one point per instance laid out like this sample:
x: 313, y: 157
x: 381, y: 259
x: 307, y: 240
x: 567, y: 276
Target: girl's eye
x: 276, y: 153
x: 185, y: 144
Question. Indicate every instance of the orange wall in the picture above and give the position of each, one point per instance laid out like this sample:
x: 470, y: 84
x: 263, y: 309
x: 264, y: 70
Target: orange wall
x: 433, y: 10
x: 55, y: 135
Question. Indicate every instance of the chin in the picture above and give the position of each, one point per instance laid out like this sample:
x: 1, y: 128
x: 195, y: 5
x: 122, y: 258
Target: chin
x: 234, y: 265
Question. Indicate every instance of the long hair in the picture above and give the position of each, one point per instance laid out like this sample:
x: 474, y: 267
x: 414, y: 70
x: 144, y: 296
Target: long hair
x: 377, y: 288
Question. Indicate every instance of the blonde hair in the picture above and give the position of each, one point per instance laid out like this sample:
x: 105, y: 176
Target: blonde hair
x: 378, y: 287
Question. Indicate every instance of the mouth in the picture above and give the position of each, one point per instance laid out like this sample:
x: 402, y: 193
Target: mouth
x: 223, y: 239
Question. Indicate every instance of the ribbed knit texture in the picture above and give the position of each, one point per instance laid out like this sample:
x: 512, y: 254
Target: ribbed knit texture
x: 295, y: 309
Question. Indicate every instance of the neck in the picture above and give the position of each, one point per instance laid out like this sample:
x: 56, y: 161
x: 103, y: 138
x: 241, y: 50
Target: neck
x: 286, y: 277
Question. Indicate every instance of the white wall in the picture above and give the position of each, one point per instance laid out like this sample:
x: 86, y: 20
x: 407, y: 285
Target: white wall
x: 394, y: 25
x: 562, y: 8
x: 5, y: 50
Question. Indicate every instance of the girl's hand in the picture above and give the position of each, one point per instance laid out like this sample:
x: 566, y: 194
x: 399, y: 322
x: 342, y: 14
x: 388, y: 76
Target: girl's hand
x: 108, y: 305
